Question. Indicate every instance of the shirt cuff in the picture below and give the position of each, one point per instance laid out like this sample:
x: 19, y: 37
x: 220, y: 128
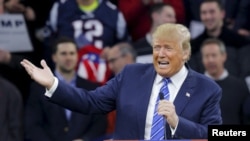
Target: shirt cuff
x: 50, y: 92
x: 174, y: 129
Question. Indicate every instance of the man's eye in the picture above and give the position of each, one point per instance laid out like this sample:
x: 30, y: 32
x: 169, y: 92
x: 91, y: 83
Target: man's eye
x: 157, y: 48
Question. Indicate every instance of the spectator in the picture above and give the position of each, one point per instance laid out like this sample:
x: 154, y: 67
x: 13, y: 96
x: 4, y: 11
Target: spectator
x: 11, y: 112
x: 10, y: 67
x: 120, y: 55
x: 212, y: 15
x: 18, y: 7
x: 96, y: 23
x: 192, y: 10
x: 87, y: 23
x: 138, y: 10
x: 160, y: 13
x: 15, y: 6
x: 46, y: 121
x: 234, y: 90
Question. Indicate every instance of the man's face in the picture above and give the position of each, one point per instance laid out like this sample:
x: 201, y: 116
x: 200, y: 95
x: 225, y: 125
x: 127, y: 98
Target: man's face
x: 168, y: 57
x: 66, y: 57
x: 116, y: 61
x: 211, y: 15
x: 167, y: 15
x: 213, y: 59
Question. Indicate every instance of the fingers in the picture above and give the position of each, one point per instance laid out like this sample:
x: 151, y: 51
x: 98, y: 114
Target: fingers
x: 165, y: 108
x: 44, y: 64
x: 29, y: 67
x: 27, y: 63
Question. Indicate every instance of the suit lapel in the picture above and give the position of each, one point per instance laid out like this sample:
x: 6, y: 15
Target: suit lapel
x: 183, y: 97
x: 184, y: 94
x: 144, y: 89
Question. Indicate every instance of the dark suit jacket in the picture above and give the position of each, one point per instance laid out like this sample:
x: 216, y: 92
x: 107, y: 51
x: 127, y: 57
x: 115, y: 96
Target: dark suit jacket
x: 129, y: 93
x: 46, y: 121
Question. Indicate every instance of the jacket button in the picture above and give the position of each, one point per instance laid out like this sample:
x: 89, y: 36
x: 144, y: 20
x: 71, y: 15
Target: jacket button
x: 66, y: 129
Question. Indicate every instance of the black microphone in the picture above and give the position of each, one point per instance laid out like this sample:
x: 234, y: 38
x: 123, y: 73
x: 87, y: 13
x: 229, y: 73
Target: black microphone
x: 161, y: 95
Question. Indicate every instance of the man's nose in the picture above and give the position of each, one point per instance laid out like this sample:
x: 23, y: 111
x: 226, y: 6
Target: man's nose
x: 162, y: 52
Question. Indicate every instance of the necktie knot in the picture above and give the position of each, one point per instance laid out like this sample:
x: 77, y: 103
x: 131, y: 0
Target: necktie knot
x: 164, y: 89
x: 166, y: 81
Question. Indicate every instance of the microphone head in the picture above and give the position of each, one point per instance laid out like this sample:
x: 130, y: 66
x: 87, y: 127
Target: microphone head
x: 161, y: 95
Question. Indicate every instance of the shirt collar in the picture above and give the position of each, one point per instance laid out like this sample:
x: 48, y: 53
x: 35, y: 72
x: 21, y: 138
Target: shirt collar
x: 223, y: 75
x: 60, y: 77
x: 175, y: 78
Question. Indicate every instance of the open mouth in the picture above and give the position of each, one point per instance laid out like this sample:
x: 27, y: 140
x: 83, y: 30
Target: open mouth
x: 163, y: 64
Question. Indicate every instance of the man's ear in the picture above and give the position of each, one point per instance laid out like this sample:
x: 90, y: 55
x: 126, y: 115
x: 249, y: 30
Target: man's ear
x: 186, y: 55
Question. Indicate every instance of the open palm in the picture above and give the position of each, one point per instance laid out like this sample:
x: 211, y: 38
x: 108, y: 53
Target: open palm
x: 43, y: 76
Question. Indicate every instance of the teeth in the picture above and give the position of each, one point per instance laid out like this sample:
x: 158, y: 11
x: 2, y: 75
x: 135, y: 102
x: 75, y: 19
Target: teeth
x: 164, y: 63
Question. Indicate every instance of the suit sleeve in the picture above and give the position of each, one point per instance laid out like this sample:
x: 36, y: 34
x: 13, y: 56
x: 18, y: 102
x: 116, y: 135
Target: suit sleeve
x: 34, y: 116
x: 99, y: 101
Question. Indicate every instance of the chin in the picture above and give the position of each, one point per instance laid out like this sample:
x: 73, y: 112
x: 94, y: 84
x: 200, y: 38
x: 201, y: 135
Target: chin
x: 162, y: 73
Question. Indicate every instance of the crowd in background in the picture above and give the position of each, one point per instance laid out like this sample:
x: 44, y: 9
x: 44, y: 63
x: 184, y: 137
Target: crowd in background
x: 87, y: 42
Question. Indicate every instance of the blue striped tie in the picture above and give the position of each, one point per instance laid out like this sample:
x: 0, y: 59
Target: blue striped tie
x: 157, y: 130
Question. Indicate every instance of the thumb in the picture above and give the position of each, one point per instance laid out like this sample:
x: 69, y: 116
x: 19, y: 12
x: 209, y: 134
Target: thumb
x: 44, y: 64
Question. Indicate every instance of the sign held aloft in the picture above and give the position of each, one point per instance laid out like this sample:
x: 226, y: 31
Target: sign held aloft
x: 14, y: 35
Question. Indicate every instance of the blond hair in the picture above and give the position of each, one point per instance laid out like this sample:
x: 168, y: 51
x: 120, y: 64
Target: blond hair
x: 174, y: 33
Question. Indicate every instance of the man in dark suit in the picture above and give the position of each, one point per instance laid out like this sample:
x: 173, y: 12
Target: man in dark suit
x: 46, y: 121
x: 192, y: 106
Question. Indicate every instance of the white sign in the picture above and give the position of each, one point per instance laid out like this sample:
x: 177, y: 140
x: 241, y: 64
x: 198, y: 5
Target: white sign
x: 13, y: 33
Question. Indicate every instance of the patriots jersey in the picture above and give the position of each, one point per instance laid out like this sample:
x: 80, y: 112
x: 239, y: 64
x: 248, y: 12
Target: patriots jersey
x: 102, y: 27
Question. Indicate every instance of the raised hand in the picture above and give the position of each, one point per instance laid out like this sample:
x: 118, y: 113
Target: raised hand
x: 43, y: 76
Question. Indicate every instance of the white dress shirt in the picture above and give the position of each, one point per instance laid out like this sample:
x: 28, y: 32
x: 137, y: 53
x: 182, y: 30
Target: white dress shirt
x: 223, y: 76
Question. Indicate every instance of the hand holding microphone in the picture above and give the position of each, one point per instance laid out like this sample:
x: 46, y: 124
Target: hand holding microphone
x: 167, y: 110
